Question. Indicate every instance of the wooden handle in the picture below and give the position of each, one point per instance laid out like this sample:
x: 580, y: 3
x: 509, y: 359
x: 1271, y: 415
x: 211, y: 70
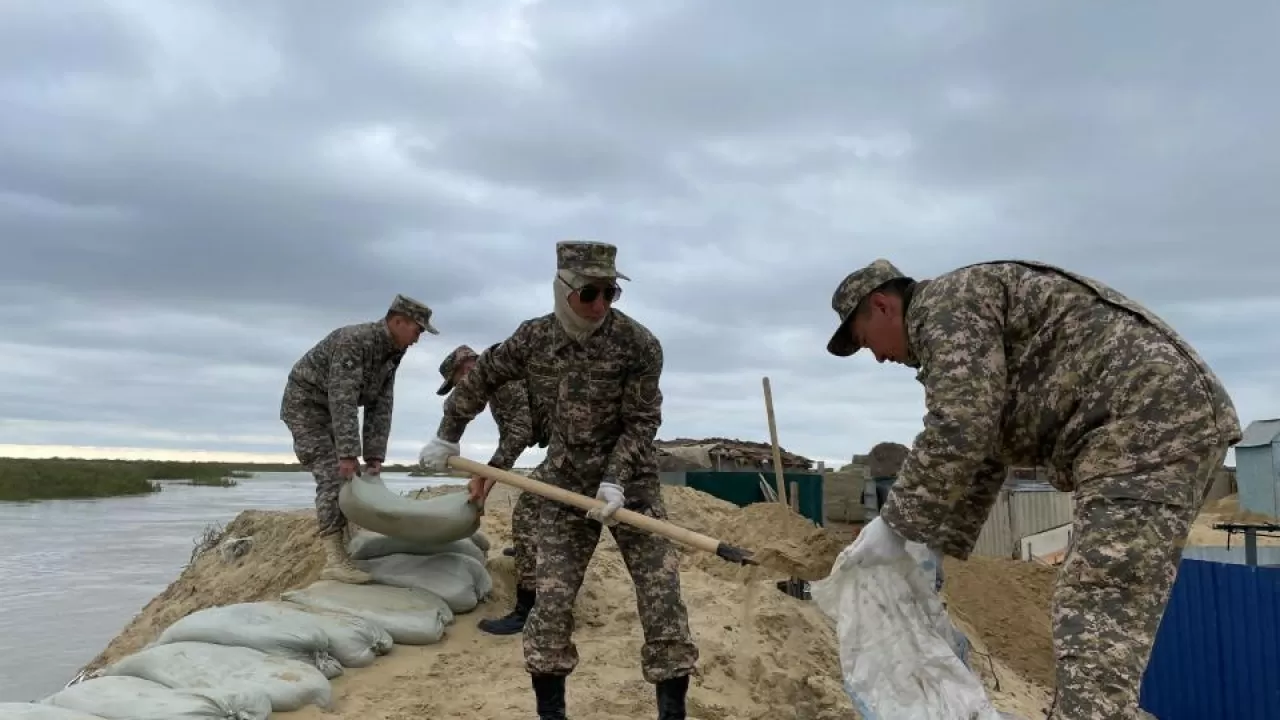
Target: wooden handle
x: 778, y: 477
x: 551, y: 492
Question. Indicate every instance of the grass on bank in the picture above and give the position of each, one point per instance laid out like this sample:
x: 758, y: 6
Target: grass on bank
x: 24, y: 479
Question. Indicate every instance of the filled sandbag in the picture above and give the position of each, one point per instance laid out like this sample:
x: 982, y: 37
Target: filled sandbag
x: 481, y: 540
x: 354, y: 641
x: 286, y: 632
x: 369, y: 503
x: 410, y: 617
x: 131, y: 698
x: 36, y: 711
x: 290, y: 684
x: 368, y: 545
x: 462, y: 581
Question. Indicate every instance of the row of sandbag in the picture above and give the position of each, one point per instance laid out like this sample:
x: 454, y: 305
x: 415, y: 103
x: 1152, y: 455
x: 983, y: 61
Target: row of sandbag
x: 247, y: 660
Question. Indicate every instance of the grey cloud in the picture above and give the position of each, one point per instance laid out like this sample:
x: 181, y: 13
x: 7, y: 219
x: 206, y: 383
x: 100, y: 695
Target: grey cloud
x: 184, y: 219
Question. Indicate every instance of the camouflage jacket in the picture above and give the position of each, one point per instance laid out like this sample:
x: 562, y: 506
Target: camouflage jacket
x: 1027, y: 364
x: 519, y: 424
x: 354, y: 366
x: 602, y: 401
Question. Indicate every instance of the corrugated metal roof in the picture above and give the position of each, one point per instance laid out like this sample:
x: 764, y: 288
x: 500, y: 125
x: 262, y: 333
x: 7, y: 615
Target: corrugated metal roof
x: 1260, y: 432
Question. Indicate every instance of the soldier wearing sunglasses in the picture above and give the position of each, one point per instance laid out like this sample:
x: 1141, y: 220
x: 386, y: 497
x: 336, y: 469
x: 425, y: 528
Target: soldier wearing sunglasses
x: 597, y: 370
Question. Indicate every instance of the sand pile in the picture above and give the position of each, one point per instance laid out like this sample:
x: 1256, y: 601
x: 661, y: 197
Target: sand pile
x: 763, y: 654
x: 781, y: 664
x: 783, y: 542
x: 1007, y: 605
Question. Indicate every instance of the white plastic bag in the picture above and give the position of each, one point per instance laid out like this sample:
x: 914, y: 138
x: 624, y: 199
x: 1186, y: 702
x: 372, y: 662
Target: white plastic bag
x: 460, y: 580
x: 411, y: 617
x: 131, y: 698
x: 897, y: 645
x: 287, y: 632
x: 367, y: 545
x: 36, y: 711
x: 290, y: 684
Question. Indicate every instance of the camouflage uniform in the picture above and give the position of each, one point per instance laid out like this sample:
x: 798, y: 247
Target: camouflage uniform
x: 1027, y: 364
x: 605, y: 408
x: 351, y: 367
x: 520, y: 425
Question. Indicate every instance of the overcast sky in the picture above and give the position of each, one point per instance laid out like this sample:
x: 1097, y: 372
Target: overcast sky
x: 193, y: 193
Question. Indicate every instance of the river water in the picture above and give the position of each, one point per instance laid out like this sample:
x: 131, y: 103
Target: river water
x: 73, y: 573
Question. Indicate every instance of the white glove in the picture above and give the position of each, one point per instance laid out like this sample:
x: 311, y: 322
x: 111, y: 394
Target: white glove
x: 611, y: 495
x: 877, y: 544
x: 435, y: 454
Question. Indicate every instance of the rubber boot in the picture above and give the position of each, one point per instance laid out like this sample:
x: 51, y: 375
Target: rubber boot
x: 549, y: 691
x: 671, y: 696
x: 512, y: 622
x: 338, y: 565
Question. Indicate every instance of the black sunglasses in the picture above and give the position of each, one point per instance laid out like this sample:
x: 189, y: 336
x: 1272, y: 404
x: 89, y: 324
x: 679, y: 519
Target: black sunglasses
x: 588, y: 293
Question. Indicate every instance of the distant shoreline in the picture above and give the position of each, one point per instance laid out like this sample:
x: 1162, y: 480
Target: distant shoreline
x: 32, y: 479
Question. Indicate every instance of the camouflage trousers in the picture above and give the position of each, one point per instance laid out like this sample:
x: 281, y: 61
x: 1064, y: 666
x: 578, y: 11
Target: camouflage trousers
x: 566, y: 542
x: 1113, y: 586
x: 524, y: 538
x: 313, y: 445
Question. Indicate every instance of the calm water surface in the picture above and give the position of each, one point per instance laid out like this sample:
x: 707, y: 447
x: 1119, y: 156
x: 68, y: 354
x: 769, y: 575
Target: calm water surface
x: 73, y: 573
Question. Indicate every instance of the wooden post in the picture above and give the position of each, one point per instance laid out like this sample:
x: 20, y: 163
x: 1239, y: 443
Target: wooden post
x: 779, y: 478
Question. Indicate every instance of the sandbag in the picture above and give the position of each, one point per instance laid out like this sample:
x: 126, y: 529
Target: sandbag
x: 290, y: 684
x: 481, y: 540
x: 354, y: 641
x: 287, y: 632
x: 131, y: 698
x: 367, y: 502
x: 899, y: 652
x: 462, y: 581
x: 369, y: 545
x: 410, y: 617
x: 36, y: 711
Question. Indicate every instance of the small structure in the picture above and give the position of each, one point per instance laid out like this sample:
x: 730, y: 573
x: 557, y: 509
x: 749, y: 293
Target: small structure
x: 1258, y: 468
x: 724, y: 455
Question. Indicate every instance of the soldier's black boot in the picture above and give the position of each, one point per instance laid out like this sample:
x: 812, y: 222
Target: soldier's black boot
x: 509, y: 552
x: 671, y: 695
x: 549, y: 691
x: 513, y: 622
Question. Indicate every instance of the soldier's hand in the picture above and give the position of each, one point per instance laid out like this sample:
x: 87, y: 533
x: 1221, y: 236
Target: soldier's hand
x: 347, y: 468
x: 478, y: 489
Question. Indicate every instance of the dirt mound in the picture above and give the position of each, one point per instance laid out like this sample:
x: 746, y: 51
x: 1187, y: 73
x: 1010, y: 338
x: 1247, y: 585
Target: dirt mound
x: 1007, y: 603
x: 782, y: 541
x: 763, y: 654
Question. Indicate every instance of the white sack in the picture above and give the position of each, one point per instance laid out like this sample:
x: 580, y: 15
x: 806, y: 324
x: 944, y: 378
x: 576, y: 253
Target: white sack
x: 462, y: 581
x: 290, y: 684
x: 367, y: 502
x: 895, y: 642
x: 410, y: 617
x: 36, y: 711
x: 130, y: 698
x: 367, y: 545
x: 287, y: 632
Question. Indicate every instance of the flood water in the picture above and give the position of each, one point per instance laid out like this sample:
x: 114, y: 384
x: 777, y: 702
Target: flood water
x: 73, y: 573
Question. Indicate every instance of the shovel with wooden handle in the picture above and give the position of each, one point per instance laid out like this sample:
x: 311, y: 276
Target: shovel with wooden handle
x: 672, y: 532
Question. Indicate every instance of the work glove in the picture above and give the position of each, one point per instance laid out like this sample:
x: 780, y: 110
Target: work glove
x: 877, y: 544
x: 611, y: 495
x: 435, y: 454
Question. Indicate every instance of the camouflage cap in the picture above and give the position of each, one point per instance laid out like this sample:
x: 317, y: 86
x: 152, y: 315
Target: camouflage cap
x: 856, y: 286
x: 451, y: 363
x: 593, y: 259
x: 415, y: 310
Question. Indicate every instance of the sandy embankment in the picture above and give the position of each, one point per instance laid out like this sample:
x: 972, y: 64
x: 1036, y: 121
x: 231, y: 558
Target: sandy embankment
x: 764, y: 655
